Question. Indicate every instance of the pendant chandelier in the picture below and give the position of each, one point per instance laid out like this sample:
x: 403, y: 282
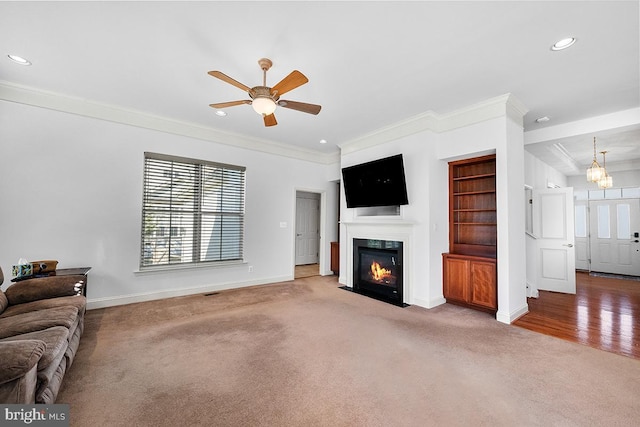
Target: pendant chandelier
x: 605, y: 180
x: 595, y: 171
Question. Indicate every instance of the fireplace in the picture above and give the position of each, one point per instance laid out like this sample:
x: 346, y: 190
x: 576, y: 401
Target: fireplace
x: 377, y: 269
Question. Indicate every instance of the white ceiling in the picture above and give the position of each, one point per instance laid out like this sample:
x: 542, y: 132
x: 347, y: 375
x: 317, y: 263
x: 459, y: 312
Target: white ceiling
x: 369, y: 64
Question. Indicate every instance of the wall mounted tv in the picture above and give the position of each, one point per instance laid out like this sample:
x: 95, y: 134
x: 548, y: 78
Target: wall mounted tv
x: 377, y: 183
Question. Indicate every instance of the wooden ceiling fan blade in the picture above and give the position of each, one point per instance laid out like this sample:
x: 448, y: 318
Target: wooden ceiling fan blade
x: 292, y: 81
x: 225, y: 78
x: 230, y: 104
x: 270, y: 120
x: 300, y: 106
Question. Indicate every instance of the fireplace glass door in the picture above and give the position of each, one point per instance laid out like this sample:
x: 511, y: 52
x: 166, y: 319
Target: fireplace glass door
x: 378, y: 269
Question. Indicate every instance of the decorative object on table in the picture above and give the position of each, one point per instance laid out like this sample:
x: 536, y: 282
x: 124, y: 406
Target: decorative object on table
x: 46, y: 266
x: 30, y: 269
x: 23, y: 269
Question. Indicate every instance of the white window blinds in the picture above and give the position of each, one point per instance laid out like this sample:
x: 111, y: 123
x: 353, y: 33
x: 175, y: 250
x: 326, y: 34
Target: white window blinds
x: 192, y: 211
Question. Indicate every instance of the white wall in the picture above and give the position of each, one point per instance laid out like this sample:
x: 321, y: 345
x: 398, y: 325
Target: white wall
x: 426, y: 155
x: 470, y: 141
x: 71, y: 190
x: 537, y: 174
x: 512, y: 288
x: 425, y: 191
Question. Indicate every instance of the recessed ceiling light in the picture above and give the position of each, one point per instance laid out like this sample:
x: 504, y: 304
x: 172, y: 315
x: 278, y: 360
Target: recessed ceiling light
x: 564, y: 43
x: 323, y: 141
x: 220, y: 113
x: 19, y: 60
x: 543, y: 119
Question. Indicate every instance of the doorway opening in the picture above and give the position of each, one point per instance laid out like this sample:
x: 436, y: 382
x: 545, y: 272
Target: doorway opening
x: 307, y: 243
x: 607, y: 232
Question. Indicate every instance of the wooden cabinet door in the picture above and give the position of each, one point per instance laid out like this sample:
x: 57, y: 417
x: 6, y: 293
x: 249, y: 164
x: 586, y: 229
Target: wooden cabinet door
x: 483, y: 284
x: 335, y: 257
x: 456, y: 279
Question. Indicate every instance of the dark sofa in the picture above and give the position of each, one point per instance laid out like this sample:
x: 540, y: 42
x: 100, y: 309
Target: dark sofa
x: 41, y: 322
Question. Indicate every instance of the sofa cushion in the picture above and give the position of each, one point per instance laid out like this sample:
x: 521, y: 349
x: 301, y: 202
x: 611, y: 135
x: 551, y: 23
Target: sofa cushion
x: 22, y: 390
x: 47, y: 392
x: 74, y: 343
x: 55, y: 340
x: 18, y: 357
x: 38, y: 320
x: 4, y: 302
x: 77, y: 301
x: 44, y: 287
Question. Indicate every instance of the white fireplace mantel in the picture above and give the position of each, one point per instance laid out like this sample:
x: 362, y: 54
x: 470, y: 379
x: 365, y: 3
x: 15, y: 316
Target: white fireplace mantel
x: 382, y: 229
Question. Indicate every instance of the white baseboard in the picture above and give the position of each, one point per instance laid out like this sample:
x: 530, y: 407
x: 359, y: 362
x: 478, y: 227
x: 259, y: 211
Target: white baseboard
x: 429, y: 303
x: 508, y: 318
x: 95, y: 303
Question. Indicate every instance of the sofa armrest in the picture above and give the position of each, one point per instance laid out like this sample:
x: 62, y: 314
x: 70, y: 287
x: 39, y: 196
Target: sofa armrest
x: 44, y: 287
x: 19, y: 357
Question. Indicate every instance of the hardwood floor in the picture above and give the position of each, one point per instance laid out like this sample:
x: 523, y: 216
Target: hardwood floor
x: 307, y: 270
x: 604, y: 314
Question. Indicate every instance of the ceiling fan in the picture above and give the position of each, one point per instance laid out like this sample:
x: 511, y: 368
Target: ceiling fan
x: 264, y: 99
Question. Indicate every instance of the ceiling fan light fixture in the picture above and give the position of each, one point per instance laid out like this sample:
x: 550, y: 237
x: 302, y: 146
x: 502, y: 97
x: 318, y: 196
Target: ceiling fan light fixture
x: 263, y: 105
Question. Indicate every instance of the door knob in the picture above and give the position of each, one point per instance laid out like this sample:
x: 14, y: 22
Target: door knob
x: 570, y: 245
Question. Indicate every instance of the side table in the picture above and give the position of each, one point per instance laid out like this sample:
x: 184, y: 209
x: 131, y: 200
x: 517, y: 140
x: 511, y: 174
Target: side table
x: 81, y: 271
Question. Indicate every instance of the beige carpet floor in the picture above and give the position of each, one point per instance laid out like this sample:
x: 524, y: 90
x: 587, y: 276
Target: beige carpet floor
x: 306, y: 353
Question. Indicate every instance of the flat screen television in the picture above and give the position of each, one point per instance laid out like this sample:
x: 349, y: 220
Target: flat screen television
x: 377, y: 183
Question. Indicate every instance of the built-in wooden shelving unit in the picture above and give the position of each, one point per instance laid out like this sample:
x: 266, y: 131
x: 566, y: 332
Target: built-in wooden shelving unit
x: 470, y: 265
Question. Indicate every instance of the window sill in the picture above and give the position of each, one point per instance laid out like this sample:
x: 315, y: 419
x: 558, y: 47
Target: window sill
x: 182, y: 267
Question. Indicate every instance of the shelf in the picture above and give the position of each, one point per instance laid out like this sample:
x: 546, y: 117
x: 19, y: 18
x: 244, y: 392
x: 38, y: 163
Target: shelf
x: 471, y: 193
x: 469, y: 269
x: 485, y: 175
x: 475, y: 223
x: 475, y: 210
x: 472, y: 206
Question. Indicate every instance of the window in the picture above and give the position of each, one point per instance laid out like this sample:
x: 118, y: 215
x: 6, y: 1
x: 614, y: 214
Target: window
x: 192, y: 211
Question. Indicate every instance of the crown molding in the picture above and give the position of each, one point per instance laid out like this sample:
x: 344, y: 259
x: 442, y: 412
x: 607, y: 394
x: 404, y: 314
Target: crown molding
x: 505, y: 105
x: 427, y: 121
x: 68, y: 104
x: 501, y: 106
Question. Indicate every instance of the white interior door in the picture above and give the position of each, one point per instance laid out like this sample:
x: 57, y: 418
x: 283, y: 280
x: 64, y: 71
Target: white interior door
x: 553, y: 221
x: 614, y: 247
x: 307, y: 228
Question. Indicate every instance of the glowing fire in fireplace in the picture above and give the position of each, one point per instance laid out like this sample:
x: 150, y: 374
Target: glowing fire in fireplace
x: 380, y: 274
